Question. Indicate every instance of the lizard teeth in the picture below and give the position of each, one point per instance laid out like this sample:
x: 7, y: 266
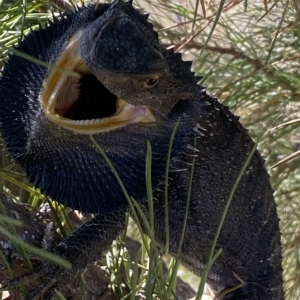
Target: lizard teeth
x: 126, y: 114
x: 86, y: 122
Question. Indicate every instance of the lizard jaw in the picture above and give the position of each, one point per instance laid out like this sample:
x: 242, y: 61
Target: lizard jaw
x: 61, y: 90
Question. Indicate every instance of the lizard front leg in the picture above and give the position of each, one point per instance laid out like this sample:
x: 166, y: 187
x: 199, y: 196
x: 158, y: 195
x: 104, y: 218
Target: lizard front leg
x: 83, y: 247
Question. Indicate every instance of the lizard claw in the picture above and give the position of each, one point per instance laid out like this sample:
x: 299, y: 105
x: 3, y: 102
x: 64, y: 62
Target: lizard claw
x: 23, y: 279
x: 81, y: 249
x: 53, y: 280
x: 49, y: 277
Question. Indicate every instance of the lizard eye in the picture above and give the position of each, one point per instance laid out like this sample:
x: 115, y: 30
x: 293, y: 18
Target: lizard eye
x: 149, y: 83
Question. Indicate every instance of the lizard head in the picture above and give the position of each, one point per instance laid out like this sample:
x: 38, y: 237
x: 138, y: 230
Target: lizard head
x: 123, y: 52
x: 135, y: 79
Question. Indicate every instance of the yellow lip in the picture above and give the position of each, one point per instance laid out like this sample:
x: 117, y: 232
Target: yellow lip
x: 61, y: 90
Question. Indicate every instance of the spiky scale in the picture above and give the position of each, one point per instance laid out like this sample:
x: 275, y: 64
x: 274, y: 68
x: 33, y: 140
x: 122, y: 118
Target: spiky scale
x: 190, y: 147
x: 188, y: 64
x: 200, y: 127
x: 198, y: 78
x: 145, y: 16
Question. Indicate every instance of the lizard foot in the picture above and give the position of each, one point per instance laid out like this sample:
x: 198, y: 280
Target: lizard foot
x: 66, y: 281
x: 50, y: 277
x: 81, y: 249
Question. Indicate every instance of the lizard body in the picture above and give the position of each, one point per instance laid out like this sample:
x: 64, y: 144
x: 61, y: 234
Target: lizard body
x: 111, y: 51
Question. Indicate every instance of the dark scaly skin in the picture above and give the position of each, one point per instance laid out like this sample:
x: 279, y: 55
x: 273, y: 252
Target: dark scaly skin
x: 67, y: 167
x: 251, y: 219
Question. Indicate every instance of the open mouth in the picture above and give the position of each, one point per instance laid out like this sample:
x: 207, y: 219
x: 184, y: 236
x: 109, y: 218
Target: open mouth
x: 74, y: 98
